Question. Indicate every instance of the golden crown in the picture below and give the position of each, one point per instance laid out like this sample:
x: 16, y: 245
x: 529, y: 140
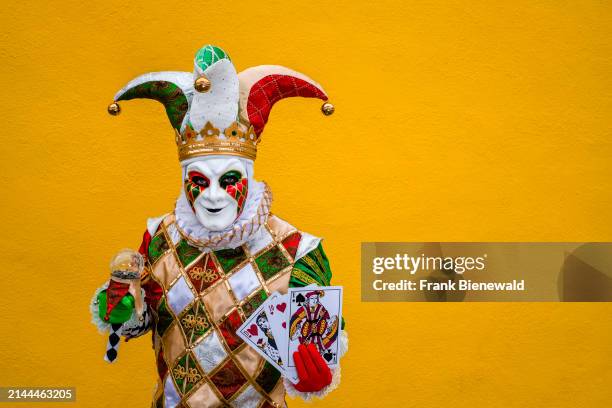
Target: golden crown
x: 233, y: 141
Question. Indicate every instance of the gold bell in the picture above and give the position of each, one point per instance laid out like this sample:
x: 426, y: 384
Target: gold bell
x: 114, y: 109
x: 202, y: 84
x: 327, y: 109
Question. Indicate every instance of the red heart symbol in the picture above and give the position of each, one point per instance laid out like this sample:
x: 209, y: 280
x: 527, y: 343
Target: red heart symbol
x: 252, y: 330
x: 284, y: 325
x: 281, y: 307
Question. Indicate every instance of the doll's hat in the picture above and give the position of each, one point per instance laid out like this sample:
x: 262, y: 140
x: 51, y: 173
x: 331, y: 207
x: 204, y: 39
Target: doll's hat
x: 215, y: 110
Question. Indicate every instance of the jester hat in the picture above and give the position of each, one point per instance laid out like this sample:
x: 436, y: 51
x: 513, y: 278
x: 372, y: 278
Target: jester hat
x: 216, y: 110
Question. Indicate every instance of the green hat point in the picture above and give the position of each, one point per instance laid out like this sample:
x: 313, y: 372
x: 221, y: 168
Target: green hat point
x: 208, y: 55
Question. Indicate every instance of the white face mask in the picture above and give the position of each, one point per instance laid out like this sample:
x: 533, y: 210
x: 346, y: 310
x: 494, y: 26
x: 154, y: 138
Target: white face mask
x: 217, y: 190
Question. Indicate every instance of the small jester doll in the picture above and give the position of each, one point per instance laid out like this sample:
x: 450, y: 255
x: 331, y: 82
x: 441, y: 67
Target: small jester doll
x: 123, y: 294
x: 211, y: 261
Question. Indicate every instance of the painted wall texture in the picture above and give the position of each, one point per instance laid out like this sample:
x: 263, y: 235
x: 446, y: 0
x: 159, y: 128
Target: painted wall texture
x: 455, y: 121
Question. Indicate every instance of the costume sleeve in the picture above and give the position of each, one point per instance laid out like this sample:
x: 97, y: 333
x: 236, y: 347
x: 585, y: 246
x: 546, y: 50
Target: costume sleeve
x: 313, y: 268
x: 134, y: 327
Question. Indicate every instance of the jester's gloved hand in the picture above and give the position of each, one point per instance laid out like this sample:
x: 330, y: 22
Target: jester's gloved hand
x: 317, y: 379
x: 312, y: 371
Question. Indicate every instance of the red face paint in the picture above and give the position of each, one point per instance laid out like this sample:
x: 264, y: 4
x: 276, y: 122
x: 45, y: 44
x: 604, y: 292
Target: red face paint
x: 239, y: 193
x: 195, y: 185
x: 237, y: 187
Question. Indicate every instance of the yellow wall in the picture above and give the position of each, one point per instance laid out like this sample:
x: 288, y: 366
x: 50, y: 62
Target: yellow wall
x: 457, y: 120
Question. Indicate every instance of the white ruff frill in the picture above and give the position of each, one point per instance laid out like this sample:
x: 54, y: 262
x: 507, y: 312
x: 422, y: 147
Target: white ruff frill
x: 254, y: 215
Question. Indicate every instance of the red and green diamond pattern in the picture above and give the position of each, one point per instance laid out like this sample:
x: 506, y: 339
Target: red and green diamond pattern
x: 194, y: 322
x: 203, y: 273
x: 186, y: 373
x: 209, y: 359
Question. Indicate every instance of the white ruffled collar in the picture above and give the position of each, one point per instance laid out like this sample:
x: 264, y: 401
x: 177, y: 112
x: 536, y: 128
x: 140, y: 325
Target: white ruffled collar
x: 254, y: 215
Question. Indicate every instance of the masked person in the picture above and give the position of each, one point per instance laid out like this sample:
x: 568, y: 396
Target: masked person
x: 217, y: 256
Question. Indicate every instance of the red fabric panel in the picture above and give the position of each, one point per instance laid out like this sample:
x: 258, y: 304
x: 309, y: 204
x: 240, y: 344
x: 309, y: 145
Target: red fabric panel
x: 229, y: 379
x: 228, y: 328
x: 114, y: 293
x: 271, y: 89
x: 162, y: 368
x: 153, y: 292
x: 144, y: 247
x: 292, y: 242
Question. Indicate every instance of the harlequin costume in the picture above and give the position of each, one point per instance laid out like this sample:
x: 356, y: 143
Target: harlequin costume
x: 200, y: 282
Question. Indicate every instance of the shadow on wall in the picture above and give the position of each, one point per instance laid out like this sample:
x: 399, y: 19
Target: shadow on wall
x: 586, y: 274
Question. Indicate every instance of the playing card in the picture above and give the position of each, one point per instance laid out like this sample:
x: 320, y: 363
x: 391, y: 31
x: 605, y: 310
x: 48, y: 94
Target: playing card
x: 315, y: 315
x: 277, y: 310
x: 256, y: 332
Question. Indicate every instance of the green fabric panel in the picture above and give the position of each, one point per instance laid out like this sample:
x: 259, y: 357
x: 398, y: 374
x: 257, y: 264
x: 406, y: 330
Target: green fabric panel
x: 315, y: 268
x: 120, y: 313
x: 157, y: 247
x: 164, y: 319
x: 228, y: 258
x: 252, y: 304
x: 186, y: 253
x: 208, y: 55
x: 271, y: 262
x: 268, y: 377
x: 180, y: 381
x: 189, y: 365
x: 169, y: 94
x: 195, y: 331
x: 312, y: 268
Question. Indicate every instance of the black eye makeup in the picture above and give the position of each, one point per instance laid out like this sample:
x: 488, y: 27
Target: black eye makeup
x: 230, y: 178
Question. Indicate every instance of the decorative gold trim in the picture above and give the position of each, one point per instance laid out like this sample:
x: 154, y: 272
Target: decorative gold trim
x: 278, y: 237
x: 315, y: 268
x: 280, y: 274
x: 197, y: 384
x: 260, y: 277
x: 239, y: 392
x: 232, y: 141
x: 303, y: 276
x: 251, y: 260
x: 233, y: 132
x: 317, y: 255
x: 285, y: 252
x: 253, y: 294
